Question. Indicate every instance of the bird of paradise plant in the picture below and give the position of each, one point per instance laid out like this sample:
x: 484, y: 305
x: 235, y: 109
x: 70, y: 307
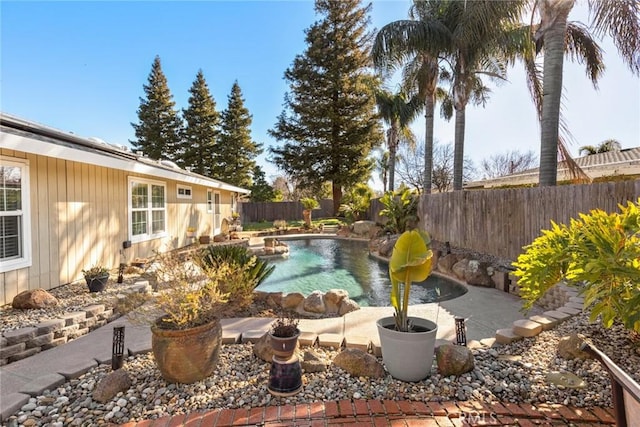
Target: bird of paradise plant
x: 411, y: 261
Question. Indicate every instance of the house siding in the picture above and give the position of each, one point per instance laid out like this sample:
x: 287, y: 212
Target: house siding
x: 79, y: 217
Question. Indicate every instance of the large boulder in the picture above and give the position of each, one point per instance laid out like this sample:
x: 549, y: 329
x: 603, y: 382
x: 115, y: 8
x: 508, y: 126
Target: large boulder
x: 333, y: 298
x: 114, y: 383
x: 347, y: 306
x: 446, y: 263
x: 454, y: 360
x: 35, y: 298
x: 292, y: 301
x: 477, y: 274
x: 314, y: 303
x: 357, y: 363
x: 363, y: 228
x: 386, y: 248
x: 459, y: 268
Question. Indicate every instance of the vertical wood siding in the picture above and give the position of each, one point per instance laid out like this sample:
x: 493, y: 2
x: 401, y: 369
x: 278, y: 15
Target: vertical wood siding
x: 501, y: 222
x: 79, y: 217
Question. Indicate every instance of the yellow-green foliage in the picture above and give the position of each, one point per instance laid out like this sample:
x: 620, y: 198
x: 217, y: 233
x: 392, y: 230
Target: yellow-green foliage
x: 600, y: 252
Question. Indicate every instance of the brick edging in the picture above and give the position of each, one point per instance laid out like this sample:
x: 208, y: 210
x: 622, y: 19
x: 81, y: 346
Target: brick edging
x: 349, y: 411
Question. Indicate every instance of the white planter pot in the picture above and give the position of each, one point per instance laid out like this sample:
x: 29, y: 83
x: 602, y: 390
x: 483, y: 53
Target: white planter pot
x: 408, y: 356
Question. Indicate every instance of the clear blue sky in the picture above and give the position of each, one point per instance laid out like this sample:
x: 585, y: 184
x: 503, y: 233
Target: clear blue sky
x: 80, y: 67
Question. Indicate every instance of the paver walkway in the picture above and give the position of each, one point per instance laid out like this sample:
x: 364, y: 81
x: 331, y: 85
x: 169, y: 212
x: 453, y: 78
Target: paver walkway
x: 362, y: 413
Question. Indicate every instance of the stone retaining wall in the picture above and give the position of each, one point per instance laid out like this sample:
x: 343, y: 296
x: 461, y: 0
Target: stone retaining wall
x: 24, y: 342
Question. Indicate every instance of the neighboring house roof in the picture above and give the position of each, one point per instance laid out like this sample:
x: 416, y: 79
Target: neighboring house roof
x: 611, y: 163
x: 23, y: 135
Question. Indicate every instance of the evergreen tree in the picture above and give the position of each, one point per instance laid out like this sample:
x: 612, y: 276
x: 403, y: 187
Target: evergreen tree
x: 329, y: 123
x: 236, y: 151
x: 261, y: 191
x: 159, y: 128
x: 202, y: 128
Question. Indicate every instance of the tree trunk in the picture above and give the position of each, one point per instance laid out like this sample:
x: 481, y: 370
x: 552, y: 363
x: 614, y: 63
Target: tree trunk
x: 458, y: 149
x: 428, y: 142
x: 554, y: 38
x: 336, y: 189
x: 393, y: 148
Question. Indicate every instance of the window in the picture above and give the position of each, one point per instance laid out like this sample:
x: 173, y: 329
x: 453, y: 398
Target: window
x: 15, y: 238
x: 209, y: 201
x: 184, y: 192
x: 147, y: 207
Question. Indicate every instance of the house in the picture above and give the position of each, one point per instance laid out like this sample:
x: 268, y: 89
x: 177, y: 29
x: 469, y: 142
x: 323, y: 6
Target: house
x: 610, y: 165
x: 68, y: 203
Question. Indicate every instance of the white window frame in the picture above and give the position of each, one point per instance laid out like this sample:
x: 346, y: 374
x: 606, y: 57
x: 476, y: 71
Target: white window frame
x: 187, y: 192
x: 25, y: 260
x: 149, y: 209
x: 209, y: 200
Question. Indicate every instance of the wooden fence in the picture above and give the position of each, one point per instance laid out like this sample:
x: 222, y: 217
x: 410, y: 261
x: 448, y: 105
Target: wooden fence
x: 501, y: 222
x: 288, y: 211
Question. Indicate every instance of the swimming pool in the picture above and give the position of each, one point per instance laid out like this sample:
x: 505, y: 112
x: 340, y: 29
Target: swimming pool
x: 323, y: 264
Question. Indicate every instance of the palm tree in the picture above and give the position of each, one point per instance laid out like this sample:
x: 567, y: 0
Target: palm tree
x: 397, y: 112
x: 603, y: 147
x: 382, y: 164
x: 413, y: 43
x: 620, y: 19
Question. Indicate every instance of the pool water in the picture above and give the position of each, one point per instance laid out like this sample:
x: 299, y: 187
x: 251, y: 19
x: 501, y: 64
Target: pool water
x: 323, y: 264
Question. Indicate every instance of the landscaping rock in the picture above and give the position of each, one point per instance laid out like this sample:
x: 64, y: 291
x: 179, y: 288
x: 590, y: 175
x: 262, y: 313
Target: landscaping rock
x: 476, y: 274
x: 358, y: 363
x: 114, y: 383
x: 454, y: 360
x: 333, y: 298
x: 459, y: 268
x: 363, y: 228
x: 312, y: 362
x: 446, y: 263
x: 569, y: 347
x: 314, y: 303
x: 386, y: 247
x: 347, y: 306
x: 292, y: 301
x: 36, y: 298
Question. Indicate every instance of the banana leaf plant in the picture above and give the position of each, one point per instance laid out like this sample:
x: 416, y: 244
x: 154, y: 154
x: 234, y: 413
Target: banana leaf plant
x: 410, y: 262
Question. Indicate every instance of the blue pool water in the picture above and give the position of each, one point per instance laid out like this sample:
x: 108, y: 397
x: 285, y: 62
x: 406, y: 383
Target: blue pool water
x: 323, y: 264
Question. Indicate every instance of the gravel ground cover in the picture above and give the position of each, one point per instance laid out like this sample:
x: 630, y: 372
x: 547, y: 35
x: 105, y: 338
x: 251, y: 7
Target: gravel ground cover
x: 509, y: 373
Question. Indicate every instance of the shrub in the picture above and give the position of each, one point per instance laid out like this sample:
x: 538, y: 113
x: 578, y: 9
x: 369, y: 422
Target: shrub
x: 599, y: 253
x: 400, y: 208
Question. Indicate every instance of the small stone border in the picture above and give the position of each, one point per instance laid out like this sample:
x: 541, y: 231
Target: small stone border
x: 24, y: 342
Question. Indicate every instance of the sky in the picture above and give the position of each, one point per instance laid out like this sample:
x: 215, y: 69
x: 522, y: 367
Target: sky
x: 80, y: 67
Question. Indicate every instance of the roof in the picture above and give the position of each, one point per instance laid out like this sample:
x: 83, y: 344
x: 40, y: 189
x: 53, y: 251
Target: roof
x: 30, y: 137
x: 622, y: 162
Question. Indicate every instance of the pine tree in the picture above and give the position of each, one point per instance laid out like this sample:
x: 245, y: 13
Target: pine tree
x: 261, y: 191
x: 236, y: 151
x: 202, y: 128
x: 329, y: 124
x: 159, y: 128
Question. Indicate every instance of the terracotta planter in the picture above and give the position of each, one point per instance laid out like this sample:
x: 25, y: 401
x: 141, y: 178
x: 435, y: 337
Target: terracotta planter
x: 189, y: 355
x: 97, y: 284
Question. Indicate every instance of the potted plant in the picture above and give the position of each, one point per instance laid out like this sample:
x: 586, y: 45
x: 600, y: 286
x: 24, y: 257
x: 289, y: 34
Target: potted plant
x: 96, y: 277
x: 408, y: 342
x: 191, y: 232
x: 308, y: 204
x: 284, y: 335
x: 285, y: 375
x: 186, y: 334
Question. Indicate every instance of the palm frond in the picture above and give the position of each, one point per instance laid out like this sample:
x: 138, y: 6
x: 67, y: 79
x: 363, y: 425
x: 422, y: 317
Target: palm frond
x: 620, y: 19
x: 582, y: 48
